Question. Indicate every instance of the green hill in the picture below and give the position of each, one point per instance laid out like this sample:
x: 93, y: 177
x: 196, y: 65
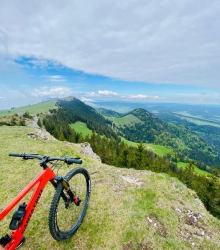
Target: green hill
x: 106, y: 112
x: 129, y: 119
x: 129, y: 209
x: 32, y: 109
x: 153, y: 130
x: 72, y: 111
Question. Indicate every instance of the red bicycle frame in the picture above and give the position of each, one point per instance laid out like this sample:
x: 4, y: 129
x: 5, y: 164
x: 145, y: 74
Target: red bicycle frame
x: 39, y: 182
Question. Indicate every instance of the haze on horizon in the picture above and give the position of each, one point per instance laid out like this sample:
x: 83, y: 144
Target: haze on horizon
x: 132, y: 50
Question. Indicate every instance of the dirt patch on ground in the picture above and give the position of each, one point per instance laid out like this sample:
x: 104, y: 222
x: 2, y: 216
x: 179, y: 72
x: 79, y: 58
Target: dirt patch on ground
x: 193, y: 226
x: 154, y: 222
x: 140, y: 246
x: 132, y: 180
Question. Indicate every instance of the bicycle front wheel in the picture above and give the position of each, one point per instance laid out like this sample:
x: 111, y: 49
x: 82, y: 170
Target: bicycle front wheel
x: 65, y: 219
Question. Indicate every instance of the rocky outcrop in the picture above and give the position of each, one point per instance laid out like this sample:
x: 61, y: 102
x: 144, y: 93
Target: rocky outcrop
x: 87, y: 150
x: 33, y: 122
x: 41, y: 135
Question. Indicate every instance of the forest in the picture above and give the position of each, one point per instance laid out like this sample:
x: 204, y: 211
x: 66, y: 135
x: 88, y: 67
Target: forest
x: 155, y: 130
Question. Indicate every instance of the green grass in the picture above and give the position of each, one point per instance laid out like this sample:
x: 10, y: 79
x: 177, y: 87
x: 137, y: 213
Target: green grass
x: 81, y: 127
x: 160, y: 150
x: 32, y: 109
x: 125, y: 120
x: 119, y: 211
x: 197, y: 170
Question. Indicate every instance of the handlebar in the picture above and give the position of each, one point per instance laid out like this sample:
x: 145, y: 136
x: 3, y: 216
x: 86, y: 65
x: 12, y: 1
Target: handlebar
x: 46, y: 159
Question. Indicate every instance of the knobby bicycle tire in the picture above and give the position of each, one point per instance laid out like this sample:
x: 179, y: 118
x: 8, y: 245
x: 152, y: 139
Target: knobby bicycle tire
x: 64, y: 222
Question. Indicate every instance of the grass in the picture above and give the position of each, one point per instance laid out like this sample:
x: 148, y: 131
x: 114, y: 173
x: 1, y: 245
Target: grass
x: 119, y: 211
x: 197, y: 170
x: 81, y: 127
x: 32, y: 109
x: 158, y: 149
x: 125, y: 120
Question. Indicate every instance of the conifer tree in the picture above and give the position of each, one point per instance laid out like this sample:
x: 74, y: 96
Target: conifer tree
x: 139, y: 156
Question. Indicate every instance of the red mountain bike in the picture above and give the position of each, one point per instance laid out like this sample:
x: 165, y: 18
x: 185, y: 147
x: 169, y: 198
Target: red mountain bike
x: 68, y: 207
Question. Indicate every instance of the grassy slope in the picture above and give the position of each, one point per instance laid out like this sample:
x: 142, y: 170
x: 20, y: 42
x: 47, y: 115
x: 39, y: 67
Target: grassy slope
x: 160, y: 150
x: 121, y: 215
x: 81, y: 127
x: 125, y: 120
x: 197, y: 170
x: 32, y: 109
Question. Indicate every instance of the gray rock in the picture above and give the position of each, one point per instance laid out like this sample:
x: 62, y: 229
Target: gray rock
x: 86, y: 149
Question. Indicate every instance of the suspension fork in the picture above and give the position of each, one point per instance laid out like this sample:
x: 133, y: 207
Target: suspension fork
x: 66, y: 186
x: 55, y: 184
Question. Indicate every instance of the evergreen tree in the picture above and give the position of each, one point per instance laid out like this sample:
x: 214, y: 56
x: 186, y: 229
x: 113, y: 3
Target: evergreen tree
x: 187, y: 175
x: 139, y: 156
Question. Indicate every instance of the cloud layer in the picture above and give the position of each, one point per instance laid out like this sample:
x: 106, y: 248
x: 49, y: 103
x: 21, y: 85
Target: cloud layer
x: 150, y: 41
x: 108, y: 94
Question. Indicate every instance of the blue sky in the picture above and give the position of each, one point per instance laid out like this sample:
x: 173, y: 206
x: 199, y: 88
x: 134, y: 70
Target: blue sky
x: 138, y: 51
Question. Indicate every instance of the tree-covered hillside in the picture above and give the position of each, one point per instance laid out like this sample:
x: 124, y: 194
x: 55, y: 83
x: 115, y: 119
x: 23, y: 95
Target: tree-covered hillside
x: 209, y: 132
x: 107, y: 112
x: 69, y: 112
x: 180, y: 138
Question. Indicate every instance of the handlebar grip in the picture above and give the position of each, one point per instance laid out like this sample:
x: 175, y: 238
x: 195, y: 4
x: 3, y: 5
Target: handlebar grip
x: 73, y: 160
x: 16, y: 155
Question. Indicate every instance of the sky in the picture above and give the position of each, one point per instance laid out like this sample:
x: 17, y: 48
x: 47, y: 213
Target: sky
x: 129, y: 50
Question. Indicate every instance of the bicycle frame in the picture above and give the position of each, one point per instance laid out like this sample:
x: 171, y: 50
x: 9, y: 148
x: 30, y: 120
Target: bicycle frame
x: 39, y: 182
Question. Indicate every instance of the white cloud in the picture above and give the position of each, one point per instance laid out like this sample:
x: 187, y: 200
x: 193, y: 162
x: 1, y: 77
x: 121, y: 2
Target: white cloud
x: 149, y: 41
x: 140, y: 96
x: 91, y: 93
x: 55, y: 78
x: 107, y: 92
x: 116, y: 96
x: 84, y: 99
x: 57, y: 91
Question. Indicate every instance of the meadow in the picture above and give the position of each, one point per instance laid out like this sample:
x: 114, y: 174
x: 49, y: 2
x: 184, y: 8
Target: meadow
x: 125, y: 120
x: 81, y: 127
x: 32, y: 109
